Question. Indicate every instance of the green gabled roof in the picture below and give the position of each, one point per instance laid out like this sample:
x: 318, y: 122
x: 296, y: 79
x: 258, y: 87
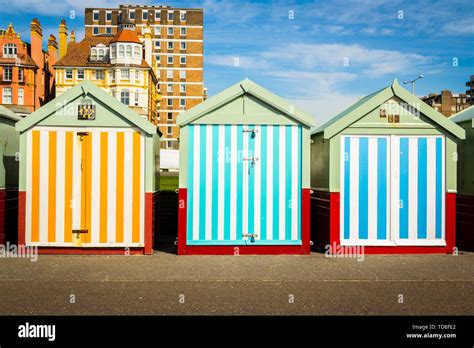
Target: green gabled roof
x: 464, y: 115
x: 241, y: 88
x: 85, y: 89
x: 7, y: 113
x: 372, y: 101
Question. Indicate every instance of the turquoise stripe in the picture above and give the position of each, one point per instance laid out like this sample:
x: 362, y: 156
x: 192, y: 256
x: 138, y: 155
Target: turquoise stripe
x: 243, y: 242
x: 439, y: 186
x: 422, y: 183
x: 251, y: 184
x: 227, y: 162
x: 347, y: 183
x: 382, y: 188
x: 363, y: 188
x: 202, y: 180
x: 404, y: 177
x: 240, y: 168
x: 190, y: 206
x: 276, y: 182
x: 299, y: 173
x: 263, y: 184
x: 289, y: 205
x: 214, y: 181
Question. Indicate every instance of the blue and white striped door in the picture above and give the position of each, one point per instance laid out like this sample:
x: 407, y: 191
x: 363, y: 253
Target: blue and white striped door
x: 243, y: 181
x: 365, y: 190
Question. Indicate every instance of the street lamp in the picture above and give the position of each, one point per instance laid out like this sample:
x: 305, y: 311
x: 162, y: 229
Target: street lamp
x: 413, y: 83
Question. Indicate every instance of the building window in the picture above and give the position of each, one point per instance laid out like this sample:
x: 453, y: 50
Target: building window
x: 170, y: 102
x: 129, y: 51
x: 170, y: 31
x: 9, y: 50
x: 96, y: 15
x: 113, y: 51
x: 183, y: 45
x: 137, y: 96
x: 169, y: 74
x: 182, y: 103
x: 96, y: 31
x: 138, y: 76
x: 170, y: 59
x: 108, y: 16
x: 182, y: 88
x: 169, y: 144
x: 68, y: 74
x: 145, y: 15
x: 137, y: 52
x: 125, y: 97
x: 182, y: 60
x: 158, y: 15
x: 21, y: 94
x: 183, y: 31
x: 157, y: 44
x: 170, y: 116
x: 182, y: 74
x: 170, y: 15
x: 108, y: 30
x: 113, y: 75
x: 169, y: 131
x: 99, y: 74
x: 157, y: 31
x: 169, y: 88
x: 170, y: 45
x: 121, y: 51
x: 101, y: 54
x: 80, y: 74
x: 93, y: 54
x: 158, y: 60
x: 132, y: 14
x: 158, y: 73
x: 7, y: 96
x: 125, y: 74
x: 7, y: 73
x: 182, y: 16
x: 21, y: 74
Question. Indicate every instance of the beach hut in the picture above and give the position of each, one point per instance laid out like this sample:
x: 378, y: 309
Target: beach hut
x: 383, y: 177
x: 244, y: 175
x: 88, y: 175
x: 9, y: 145
x: 465, y: 197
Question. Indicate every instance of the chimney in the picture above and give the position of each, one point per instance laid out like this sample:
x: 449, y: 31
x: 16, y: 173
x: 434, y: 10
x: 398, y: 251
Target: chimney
x: 52, y: 49
x: 62, y: 38
x: 36, y: 34
x: 73, y: 36
x: 148, y: 46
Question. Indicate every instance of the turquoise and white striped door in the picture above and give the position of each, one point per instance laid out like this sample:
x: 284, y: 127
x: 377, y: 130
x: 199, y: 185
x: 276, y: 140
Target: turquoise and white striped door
x: 392, y: 190
x: 244, y: 185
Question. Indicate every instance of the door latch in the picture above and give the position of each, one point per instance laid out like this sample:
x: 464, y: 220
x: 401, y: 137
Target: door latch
x: 79, y: 232
x: 252, y: 236
x: 252, y: 161
x: 249, y: 130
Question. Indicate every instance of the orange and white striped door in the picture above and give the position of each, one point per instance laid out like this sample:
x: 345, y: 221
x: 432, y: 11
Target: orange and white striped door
x: 85, y: 187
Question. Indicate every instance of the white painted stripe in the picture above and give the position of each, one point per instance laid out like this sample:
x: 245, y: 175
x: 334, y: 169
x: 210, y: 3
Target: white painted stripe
x: 221, y: 183
x: 209, y: 183
x: 245, y: 185
x: 270, y: 164
x: 372, y: 188
x: 431, y: 189
x: 95, y: 187
x: 282, y: 187
x: 196, y: 180
x: 60, y: 185
x: 44, y: 186
x: 127, y: 188
x: 76, y: 182
x: 443, y: 184
x: 142, y: 188
x: 294, y: 183
x: 111, y: 188
x: 233, y: 181
x: 394, y: 189
x: 354, y: 189
x: 257, y: 181
x: 412, y: 188
x: 29, y: 175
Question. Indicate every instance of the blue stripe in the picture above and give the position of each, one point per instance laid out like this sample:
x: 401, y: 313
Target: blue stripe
x: 439, y: 186
x: 227, y: 162
x: 251, y: 185
x: 239, y: 190
x: 404, y: 175
x: 298, y: 173
x: 347, y: 183
x: 215, y: 183
x: 363, y: 188
x: 202, y: 185
x: 276, y: 177
x: 289, y: 206
x: 189, y: 214
x: 382, y: 188
x: 422, y: 183
x: 263, y: 184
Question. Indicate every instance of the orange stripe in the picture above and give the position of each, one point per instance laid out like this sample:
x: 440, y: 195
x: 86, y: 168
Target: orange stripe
x: 88, y: 170
x: 103, y: 186
x: 119, y: 190
x: 136, y: 189
x: 35, y: 185
x: 53, y: 140
x: 68, y: 188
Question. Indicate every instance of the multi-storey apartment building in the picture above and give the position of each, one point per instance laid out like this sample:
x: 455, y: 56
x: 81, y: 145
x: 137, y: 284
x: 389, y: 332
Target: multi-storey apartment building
x: 446, y: 102
x: 470, y: 91
x: 176, y: 43
x: 114, y: 62
x: 26, y: 71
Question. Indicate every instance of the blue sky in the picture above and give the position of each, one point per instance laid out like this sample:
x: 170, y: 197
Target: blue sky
x: 321, y: 55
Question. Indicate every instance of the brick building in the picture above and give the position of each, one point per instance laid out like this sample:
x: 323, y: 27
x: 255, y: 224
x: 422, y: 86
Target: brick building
x: 26, y: 71
x: 470, y: 91
x: 176, y: 42
x: 446, y: 102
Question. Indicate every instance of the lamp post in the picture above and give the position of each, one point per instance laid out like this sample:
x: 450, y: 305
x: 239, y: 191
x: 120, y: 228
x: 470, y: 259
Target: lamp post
x: 413, y: 83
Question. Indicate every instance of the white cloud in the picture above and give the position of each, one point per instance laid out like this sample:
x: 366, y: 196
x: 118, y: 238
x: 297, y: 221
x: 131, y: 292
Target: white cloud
x: 459, y: 27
